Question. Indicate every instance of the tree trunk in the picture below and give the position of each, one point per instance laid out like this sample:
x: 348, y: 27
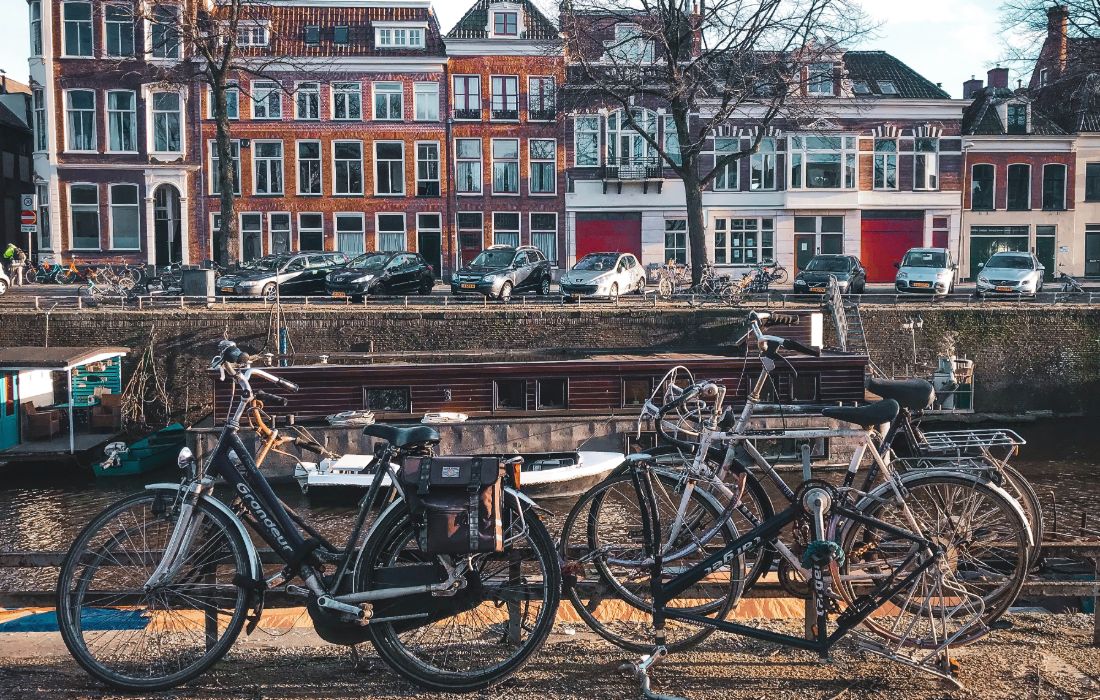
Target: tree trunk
x: 228, y: 230
x: 697, y: 234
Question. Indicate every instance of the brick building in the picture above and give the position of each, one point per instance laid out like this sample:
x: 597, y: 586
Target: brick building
x: 16, y: 143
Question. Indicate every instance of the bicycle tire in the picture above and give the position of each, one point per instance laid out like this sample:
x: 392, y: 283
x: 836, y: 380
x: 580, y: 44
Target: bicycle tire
x: 69, y: 621
x: 395, y: 531
x: 1021, y: 489
x: 665, y: 288
x: 780, y: 275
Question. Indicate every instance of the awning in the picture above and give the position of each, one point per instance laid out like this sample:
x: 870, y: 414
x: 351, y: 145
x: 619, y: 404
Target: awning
x: 57, y: 359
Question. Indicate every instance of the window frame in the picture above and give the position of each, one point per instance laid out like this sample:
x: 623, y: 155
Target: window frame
x: 253, y: 29
x: 378, y: 88
x: 438, y: 169
x: 378, y: 231
x: 816, y: 80
x: 318, y: 161
x: 271, y: 231
x: 378, y: 163
x: 301, y: 88
x: 532, y: 162
x: 518, y: 231
x: 310, y: 229
x: 94, y: 129
x: 728, y: 232
x: 553, y: 259
x: 540, y: 112
x: 153, y: 113
x: 212, y: 148
x: 133, y: 120
x: 136, y: 206
x: 598, y: 131
x: 506, y: 162
x: 232, y: 87
x: 336, y: 216
x: 1008, y: 187
x: 386, y: 33
x: 433, y: 100
x: 733, y: 167
x: 480, y: 167
x: 1064, y: 186
x: 1012, y: 127
x: 932, y: 156
x: 761, y: 156
x: 240, y: 233
x: 275, y: 89
x: 504, y: 14
x: 467, y: 113
x: 848, y: 160
x: 120, y: 26
x: 343, y: 88
x: 505, y: 98
x: 65, y: 28
x: 336, y: 162
x: 268, y: 161
x: 151, y: 25
x: 993, y: 188
x: 39, y: 121
x: 885, y: 163
x: 677, y: 230
x: 34, y: 13
x: 1095, y: 182
x: 538, y: 394
x: 73, y: 208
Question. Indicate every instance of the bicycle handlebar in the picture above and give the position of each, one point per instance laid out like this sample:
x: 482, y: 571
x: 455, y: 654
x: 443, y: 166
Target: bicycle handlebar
x: 799, y: 347
x: 271, y: 398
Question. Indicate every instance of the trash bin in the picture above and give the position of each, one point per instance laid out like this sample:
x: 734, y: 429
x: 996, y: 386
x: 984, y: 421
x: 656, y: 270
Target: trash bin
x: 199, y: 283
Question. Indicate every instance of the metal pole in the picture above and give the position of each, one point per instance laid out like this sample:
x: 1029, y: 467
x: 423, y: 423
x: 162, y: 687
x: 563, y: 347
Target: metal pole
x: 72, y: 416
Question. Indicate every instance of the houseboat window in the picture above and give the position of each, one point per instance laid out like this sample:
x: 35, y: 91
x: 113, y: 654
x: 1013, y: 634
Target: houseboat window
x: 636, y: 391
x: 391, y: 399
x: 804, y: 387
x: 553, y: 393
x: 9, y: 395
x: 510, y: 394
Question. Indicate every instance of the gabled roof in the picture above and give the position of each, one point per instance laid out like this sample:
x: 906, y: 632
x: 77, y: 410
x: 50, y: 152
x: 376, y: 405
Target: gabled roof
x: 980, y: 116
x: 876, y: 67
x: 474, y: 24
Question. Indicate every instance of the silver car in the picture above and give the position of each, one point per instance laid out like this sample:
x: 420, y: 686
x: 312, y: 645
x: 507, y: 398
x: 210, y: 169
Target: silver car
x: 1011, y: 273
x: 925, y: 271
x: 604, y: 275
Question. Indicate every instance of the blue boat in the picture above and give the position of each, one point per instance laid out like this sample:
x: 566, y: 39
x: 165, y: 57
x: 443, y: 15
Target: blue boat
x: 154, y: 451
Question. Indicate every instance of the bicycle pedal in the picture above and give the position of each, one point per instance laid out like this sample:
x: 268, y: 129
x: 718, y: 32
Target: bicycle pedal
x: 297, y: 591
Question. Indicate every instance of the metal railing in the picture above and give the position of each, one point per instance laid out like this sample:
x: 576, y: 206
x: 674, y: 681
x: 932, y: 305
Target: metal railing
x: 631, y: 169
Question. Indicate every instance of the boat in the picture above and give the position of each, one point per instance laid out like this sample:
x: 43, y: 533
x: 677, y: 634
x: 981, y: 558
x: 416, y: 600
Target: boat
x: 154, y: 451
x: 544, y: 475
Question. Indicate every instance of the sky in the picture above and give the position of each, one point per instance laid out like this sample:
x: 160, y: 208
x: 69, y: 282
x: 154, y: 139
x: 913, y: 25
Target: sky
x: 947, y: 41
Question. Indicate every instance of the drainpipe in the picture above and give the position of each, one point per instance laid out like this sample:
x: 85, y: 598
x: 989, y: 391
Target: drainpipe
x: 966, y: 146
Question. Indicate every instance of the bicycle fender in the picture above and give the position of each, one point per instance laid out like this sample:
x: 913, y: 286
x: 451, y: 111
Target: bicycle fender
x: 253, y: 555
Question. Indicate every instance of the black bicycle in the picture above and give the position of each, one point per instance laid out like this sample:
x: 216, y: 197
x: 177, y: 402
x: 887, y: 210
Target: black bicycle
x: 159, y: 585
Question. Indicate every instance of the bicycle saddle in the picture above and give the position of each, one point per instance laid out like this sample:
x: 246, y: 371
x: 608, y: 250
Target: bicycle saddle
x: 402, y: 437
x: 914, y: 394
x: 867, y: 416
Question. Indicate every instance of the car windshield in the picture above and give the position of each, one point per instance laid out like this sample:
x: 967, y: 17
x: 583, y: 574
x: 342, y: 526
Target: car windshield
x: 828, y: 265
x: 370, y: 261
x: 500, y: 257
x: 265, y: 264
x: 924, y: 258
x: 597, y: 262
x: 1009, y: 262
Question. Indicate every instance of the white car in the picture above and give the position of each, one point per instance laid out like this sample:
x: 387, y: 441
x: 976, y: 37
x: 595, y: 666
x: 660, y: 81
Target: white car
x: 604, y: 275
x: 1011, y: 273
x: 5, y: 282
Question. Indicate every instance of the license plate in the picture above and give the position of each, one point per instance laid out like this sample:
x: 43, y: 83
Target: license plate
x: 469, y: 286
x: 1004, y: 289
x: 817, y: 289
x: 923, y: 285
x: 340, y: 295
x: 227, y: 289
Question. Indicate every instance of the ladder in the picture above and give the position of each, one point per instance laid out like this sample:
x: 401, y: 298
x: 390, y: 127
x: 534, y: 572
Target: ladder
x: 848, y: 322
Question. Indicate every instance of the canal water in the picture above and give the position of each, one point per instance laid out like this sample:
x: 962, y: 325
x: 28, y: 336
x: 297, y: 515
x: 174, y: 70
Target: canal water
x: 44, y: 508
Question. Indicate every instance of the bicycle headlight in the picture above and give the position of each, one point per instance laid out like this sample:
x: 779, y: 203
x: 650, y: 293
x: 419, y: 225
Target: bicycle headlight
x: 186, y: 461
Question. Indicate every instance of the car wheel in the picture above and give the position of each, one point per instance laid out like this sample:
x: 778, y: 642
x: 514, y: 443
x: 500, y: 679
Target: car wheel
x: 613, y: 295
x: 426, y: 288
x: 505, y: 292
x: 270, y: 291
x: 357, y: 299
x: 544, y: 288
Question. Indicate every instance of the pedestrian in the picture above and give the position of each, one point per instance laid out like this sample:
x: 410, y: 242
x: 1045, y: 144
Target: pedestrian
x: 18, y: 262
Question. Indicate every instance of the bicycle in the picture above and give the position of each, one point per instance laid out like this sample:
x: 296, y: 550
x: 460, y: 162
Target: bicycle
x: 174, y: 568
x: 672, y: 279
x: 46, y: 273
x: 1069, y: 288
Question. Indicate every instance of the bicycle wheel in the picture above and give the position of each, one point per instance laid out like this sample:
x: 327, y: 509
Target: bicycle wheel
x: 983, y: 535
x: 145, y: 640
x: 608, y: 573
x: 506, y: 610
x: 780, y: 275
x: 1017, y: 486
x: 664, y: 288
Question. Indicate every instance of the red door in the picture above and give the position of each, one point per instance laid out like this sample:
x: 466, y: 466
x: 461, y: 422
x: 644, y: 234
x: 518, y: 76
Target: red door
x: 885, y: 241
x: 609, y: 233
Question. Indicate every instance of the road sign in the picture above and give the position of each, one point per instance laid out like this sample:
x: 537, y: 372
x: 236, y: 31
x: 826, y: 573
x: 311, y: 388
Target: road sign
x: 29, y: 217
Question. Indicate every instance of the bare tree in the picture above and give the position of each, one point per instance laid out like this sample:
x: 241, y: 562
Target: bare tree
x: 1025, y: 25
x: 708, y: 63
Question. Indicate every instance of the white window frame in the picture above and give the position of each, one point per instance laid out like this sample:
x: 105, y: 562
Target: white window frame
x: 122, y: 25
x: 150, y: 22
x: 480, y: 167
x: 378, y: 162
x: 848, y: 151
x: 252, y: 92
x: 438, y: 228
x: 934, y: 171
x: 429, y: 92
x: 151, y: 119
x: 111, y: 213
x: 378, y: 231
x: 438, y: 168
x: 319, y: 160
x: 885, y: 159
x: 1065, y: 186
x: 344, y: 89
x: 133, y: 120
x: 65, y: 29
x: 95, y: 127
x: 531, y: 161
x: 597, y: 131
x: 820, y: 75
x: 267, y: 163
x: 400, y: 35
x: 362, y: 171
x: 531, y: 94
x: 532, y: 231
x: 760, y: 161
x: 504, y: 97
x: 40, y: 123
x: 214, y: 221
x: 493, y: 167
x: 480, y: 102
x: 617, y: 128
x: 212, y: 173
x: 303, y: 87
x: 518, y: 230
x: 733, y: 168
x: 34, y: 10
x: 253, y: 33
x: 271, y: 231
x: 727, y: 230
x: 336, y: 216
x: 299, y: 228
x: 98, y: 216
x: 240, y: 233
x: 232, y: 87
x: 506, y: 11
x: 389, y: 92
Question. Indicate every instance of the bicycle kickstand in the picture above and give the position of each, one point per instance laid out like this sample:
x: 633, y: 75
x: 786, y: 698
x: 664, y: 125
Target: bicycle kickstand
x: 640, y: 671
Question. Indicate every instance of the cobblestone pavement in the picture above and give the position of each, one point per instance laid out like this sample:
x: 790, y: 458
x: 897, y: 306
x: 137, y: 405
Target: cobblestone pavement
x: 1040, y: 656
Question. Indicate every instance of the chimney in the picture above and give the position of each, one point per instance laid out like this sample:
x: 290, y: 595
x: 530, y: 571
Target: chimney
x: 972, y: 87
x: 1058, y: 34
x: 997, y: 77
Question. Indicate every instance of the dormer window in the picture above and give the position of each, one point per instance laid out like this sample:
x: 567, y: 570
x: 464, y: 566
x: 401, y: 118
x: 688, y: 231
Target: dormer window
x: 1044, y: 77
x: 506, y: 23
x: 252, y: 34
x: 820, y: 79
x: 860, y: 87
x: 396, y: 35
x: 630, y: 45
x: 887, y: 87
x: 1017, y: 119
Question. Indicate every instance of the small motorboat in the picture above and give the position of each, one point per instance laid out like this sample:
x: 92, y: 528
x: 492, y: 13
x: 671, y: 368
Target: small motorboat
x: 151, y: 452
x: 544, y: 475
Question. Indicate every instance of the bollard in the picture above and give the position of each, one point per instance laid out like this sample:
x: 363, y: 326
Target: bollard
x: 36, y: 308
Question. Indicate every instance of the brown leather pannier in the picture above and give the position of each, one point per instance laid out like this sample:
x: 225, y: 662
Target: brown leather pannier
x: 455, y: 503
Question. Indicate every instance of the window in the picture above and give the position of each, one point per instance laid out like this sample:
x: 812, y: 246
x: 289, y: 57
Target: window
x: 636, y: 391
x: 340, y: 35
x: 505, y: 166
x: 278, y: 226
x: 36, y: 28
x: 1092, y: 182
x: 467, y: 89
x: 309, y: 167
x: 312, y: 35
x: 347, y: 101
x: 397, y: 37
x: 861, y: 87
x: 629, y: 45
x: 389, y: 167
x: 80, y: 115
x: 121, y: 121
x: 166, y: 122
x: 823, y: 162
x: 391, y: 232
x: 819, y: 80
x: 1054, y: 187
x: 307, y: 101
x: 252, y: 232
x: 544, y: 234
x: 164, y: 34
x: 542, y: 98
x: 625, y: 146
x: 762, y: 166
x: 43, y: 217
x: 470, y: 227
x: 267, y: 100
x: 672, y: 140
x: 347, y: 158
x: 828, y: 233
x: 1044, y: 77
x: 251, y: 34
x: 267, y: 167
x: 510, y: 394
x: 84, y: 211
x: 505, y: 93
x: 1019, y: 187
x: 232, y: 102
x: 388, y: 101
x: 350, y: 234
x: 389, y: 400
x: 886, y: 164
x: 125, y: 229
x: 506, y: 23
x: 506, y: 228
x: 676, y: 240
x: 311, y: 231
x: 726, y: 180
x: 215, y: 178
x: 468, y: 166
x: 427, y: 169
x: 586, y: 141
x: 1017, y: 119
x: 78, y: 29
x: 119, y: 22
x: 552, y: 393
x: 426, y: 102
x: 543, y: 177
x: 887, y: 87
x: 41, y: 135
x: 926, y: 165
x: 743, y: 241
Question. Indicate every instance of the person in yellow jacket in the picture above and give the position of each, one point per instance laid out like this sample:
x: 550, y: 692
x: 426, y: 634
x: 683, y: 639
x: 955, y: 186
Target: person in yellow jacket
x: 18, y: 262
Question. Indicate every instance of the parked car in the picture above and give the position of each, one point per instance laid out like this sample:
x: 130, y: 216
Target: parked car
x: 292, y: 274
x: 604, y: 275
x: 1011, y: 273
x: 848, y: 270
x: 5, y: 282
x: 501, y: 270
x: 925, y: 271
x: 382, y: 273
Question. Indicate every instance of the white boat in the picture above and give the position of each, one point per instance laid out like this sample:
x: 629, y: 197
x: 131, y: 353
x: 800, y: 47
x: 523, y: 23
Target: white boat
x: 544, y: 475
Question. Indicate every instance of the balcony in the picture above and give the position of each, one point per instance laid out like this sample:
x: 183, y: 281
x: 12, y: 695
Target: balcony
x: 505, y: 115
x: 548, y: 114
x: 468, y: 114
x: 644, y: 170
